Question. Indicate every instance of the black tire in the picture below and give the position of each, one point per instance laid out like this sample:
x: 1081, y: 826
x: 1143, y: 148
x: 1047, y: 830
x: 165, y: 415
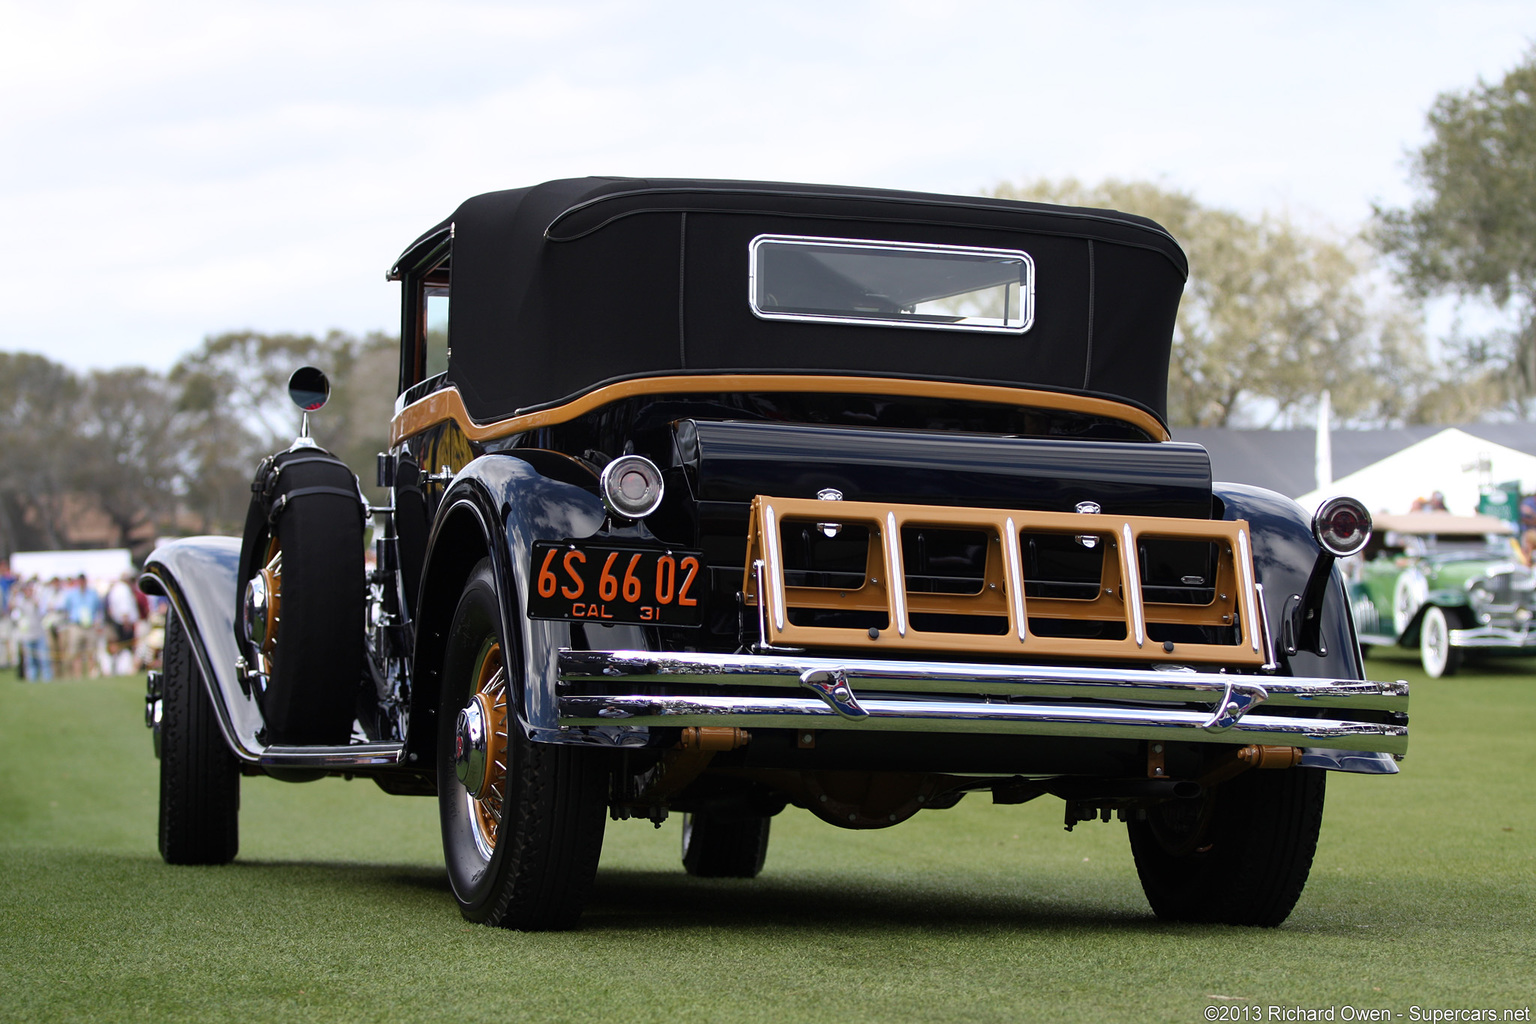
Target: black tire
x: 199, y: 777
x: 315, y: 660
x: 524, y: 853
x: 717, y: 846
x: 1436, y: 654
x: 1240, y: 855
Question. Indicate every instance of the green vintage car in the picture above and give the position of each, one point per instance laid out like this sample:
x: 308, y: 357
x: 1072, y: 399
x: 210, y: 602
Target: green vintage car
x: 1447, y: 584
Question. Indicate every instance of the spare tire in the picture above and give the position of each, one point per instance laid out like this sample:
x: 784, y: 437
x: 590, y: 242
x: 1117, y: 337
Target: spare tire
x: 302, y: 596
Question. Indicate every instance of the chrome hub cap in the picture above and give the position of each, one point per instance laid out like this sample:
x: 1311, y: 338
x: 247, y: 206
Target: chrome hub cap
x: 480, y: 749
x: 469, y: 746
x: 256, y: 609
x: 262, y: 607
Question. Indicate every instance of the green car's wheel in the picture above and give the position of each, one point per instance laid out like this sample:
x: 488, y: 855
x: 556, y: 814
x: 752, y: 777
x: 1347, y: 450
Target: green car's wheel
x: 716, y: 846
x: 199, y: 777
x: 1240, y: 855
x: 1435, y: 650
x: 522, y: 822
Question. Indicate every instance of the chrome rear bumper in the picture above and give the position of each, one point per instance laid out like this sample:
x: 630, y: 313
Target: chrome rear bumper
x: 921, y: 696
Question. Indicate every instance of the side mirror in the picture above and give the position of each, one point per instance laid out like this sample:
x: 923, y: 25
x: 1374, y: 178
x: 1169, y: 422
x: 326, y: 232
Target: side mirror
x: 310, y: 389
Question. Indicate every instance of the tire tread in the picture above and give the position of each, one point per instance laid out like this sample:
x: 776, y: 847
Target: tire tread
x: 199, y: 777
x: 726, y: 847
x: 1261, y: 844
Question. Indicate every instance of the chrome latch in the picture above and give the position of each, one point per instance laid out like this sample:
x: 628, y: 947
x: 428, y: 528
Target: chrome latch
x: 831, y: 685
x: 1237, y: 699
x: 1088, y: 508
x: 830, y: 494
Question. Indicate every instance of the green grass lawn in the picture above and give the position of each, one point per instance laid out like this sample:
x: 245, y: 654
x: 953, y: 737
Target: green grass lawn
x: 1423, y: 894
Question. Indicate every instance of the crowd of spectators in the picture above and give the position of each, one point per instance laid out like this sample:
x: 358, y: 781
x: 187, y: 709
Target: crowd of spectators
x: 75, y: 627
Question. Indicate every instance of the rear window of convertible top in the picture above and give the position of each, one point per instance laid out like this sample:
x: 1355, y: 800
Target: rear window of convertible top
x: 904, y: 284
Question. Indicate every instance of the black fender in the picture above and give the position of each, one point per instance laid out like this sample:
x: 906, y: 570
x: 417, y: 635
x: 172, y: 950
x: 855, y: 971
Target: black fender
x: 497, y: 506
x: 199, y: 576
x: 1284, y: 552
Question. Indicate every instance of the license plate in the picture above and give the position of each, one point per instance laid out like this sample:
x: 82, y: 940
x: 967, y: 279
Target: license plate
x: 579, y: 580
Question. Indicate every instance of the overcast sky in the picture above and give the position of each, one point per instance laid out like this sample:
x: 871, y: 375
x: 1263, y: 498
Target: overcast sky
x: 175, y: 170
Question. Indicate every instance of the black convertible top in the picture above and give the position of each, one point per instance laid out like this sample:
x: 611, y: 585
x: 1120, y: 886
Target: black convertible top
x: 560, y: 287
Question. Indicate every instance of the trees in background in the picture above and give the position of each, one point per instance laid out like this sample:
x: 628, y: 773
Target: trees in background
x: 38, y: 398
x: 127, y: 445
x: 1472, y: 231
x: 236, y: 386
x: 1272, y: 315
x: 150, y: 452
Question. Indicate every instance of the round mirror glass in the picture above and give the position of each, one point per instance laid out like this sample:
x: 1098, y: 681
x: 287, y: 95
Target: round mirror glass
x: 309, y: 388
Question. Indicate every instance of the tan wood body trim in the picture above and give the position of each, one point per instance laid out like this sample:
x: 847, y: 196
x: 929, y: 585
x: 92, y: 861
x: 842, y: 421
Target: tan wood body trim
x: 448, y: 405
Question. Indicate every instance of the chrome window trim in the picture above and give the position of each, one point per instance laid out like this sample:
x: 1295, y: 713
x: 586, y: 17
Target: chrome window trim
x: 1246, y: 582
x: 1026, y: 288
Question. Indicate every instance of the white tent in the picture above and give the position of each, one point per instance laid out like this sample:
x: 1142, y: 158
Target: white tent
x: 99, y: 566
x: 1453, y: 462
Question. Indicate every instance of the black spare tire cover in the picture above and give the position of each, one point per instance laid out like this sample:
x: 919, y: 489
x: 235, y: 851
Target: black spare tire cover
x: 307, y: 501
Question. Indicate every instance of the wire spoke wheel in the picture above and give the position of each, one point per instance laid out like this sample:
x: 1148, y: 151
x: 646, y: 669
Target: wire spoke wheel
x: 486, y: 801
x: 263, y: 608
x: 522, y: 821
x: 1435, y: 650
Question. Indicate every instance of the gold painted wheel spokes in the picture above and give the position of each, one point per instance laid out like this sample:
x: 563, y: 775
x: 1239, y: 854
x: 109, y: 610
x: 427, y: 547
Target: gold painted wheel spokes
x: 272, y: 576
x: 262, y: 609
x: 486, y: 793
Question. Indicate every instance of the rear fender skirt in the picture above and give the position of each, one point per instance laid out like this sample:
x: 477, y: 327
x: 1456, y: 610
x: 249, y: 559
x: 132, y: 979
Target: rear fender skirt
x: 498, y: 505
x: 199, y: 576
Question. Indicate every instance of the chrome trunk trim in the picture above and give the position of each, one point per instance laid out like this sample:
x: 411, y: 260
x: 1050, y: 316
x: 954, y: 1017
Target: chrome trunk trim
x: 1246, y: 585
x: 1131, y: 574
x: 895, y: 573
x: 1015, y: 563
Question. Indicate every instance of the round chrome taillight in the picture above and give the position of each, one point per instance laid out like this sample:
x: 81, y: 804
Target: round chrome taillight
x: 631, y: 486
x: 1342, y: 526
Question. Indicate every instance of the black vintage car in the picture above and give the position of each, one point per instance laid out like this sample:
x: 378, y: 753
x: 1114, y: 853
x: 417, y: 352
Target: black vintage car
x: 719, y: 497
